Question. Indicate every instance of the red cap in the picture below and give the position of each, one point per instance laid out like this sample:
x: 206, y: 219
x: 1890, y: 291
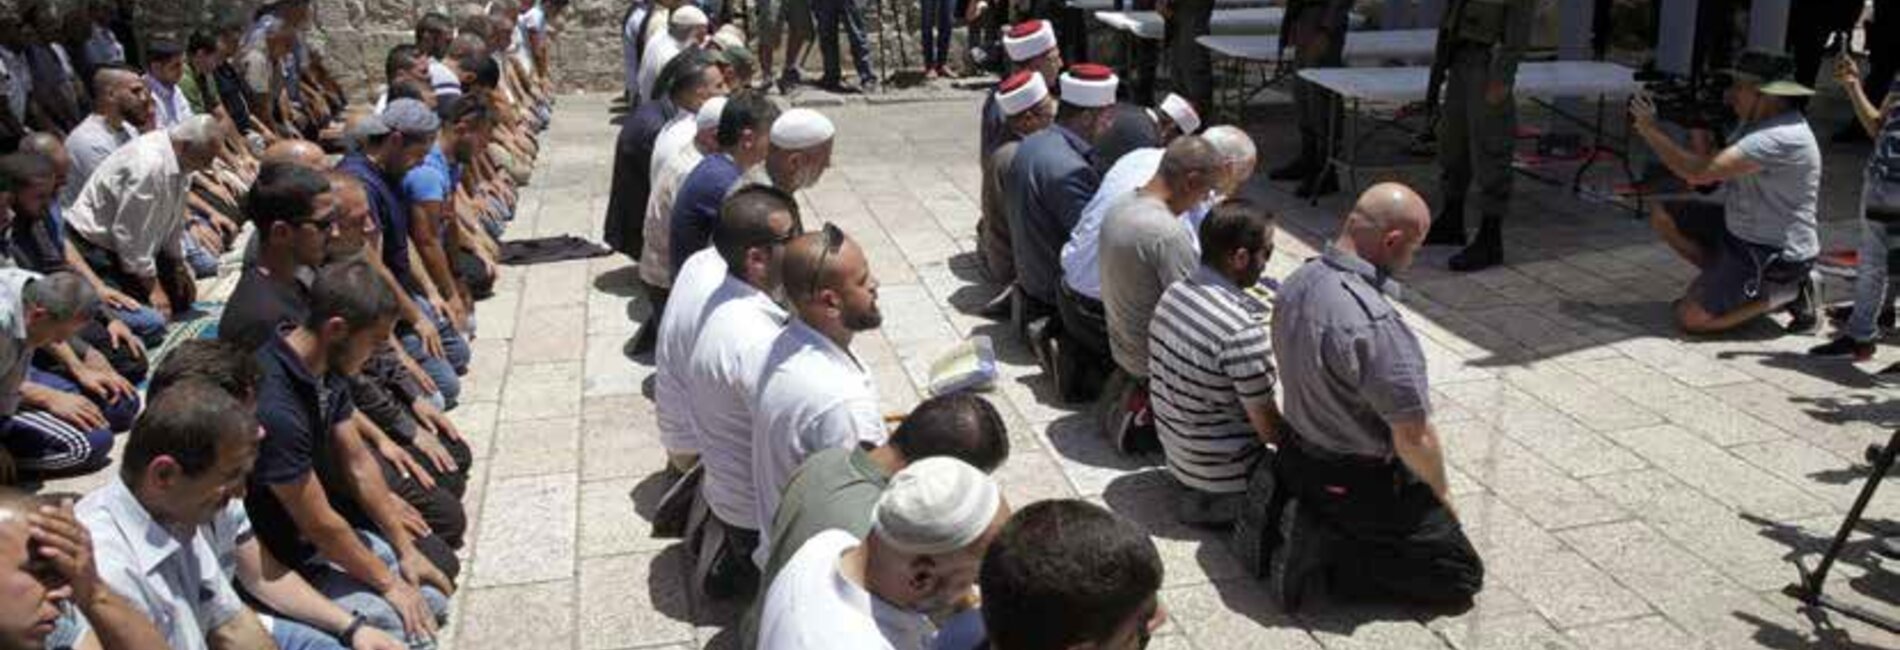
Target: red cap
x: 1091, y: 72
x: 1018, y: 80
x: 1025, y: 28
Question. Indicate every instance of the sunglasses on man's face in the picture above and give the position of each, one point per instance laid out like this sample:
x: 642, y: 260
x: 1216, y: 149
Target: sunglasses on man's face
x: 834, y: 239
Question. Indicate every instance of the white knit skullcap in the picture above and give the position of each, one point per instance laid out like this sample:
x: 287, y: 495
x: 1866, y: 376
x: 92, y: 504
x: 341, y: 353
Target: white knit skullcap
x: 708, y: 116
x: 688, y: 16
x: 801, y: 128
x: 1021, y: 91
x: 1183, y: 113
x: 936, y: 505
x: 1027, y: 39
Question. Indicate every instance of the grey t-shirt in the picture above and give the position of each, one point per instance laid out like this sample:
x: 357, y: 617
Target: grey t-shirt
x: 89, y: 144
x: 1143, y: 250
x: 1349, y: 365
x: 1776, y: 207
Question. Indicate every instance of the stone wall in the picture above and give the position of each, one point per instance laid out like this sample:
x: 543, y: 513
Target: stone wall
x: 355, y: 34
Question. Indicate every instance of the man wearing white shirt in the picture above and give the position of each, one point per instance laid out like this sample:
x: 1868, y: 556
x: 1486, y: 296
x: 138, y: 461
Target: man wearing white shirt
x: 685, y: 27
x: 163, y: 69
x: 928, y: 536
x: 815, y: 394
x: 131, y: 213
x: 721, y: 375
x: 679, y: 329
x: 434, y: 33
x: 630, y: 42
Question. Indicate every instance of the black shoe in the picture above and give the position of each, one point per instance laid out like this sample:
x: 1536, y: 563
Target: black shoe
x: 1804, y: 313
x: 1325, y: 183
x: 1296, y: 560
x: 1485, y: 251
x: 1299, y: 169
x: 1843, y: 346
x: 998, y: 307
x: 1449, y: 228
x: 1207, y: 510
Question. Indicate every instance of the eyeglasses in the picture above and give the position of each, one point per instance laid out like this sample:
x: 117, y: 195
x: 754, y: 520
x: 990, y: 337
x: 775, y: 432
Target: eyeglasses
x: 326, y: 223
x: 834, y: 239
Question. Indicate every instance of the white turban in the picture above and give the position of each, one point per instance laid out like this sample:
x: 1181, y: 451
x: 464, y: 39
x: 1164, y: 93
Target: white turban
x: 1021, y: 91
x: 1027, y: 39
x: 688, y: 16
x: 936, y: 505
x: 801, y: 128
x: 1183, y: 113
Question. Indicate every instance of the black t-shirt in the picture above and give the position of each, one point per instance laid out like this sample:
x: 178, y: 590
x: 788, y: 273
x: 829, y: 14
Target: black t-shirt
x: 259, y: 306
x: 299, y: 412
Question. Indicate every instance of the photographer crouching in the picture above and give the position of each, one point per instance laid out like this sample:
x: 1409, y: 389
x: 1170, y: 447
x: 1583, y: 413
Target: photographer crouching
x: 1756, y: 248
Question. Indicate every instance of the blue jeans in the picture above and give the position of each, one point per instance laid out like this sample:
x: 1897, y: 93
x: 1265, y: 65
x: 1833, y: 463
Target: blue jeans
x: 296, y: 635
x: 446, y: 371
x: 45, y: 445
x: 938, y: 20
x: 144, y: 321
x: 354, y: 596
x: 1870, y: 280
x: 828, y: 13
x: 204, y: 263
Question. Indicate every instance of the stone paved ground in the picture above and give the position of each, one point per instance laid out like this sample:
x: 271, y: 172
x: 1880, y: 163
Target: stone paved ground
x: 1628, y: 488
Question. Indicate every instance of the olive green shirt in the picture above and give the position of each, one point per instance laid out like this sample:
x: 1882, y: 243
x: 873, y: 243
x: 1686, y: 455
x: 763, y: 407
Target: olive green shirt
x: 836, y: 489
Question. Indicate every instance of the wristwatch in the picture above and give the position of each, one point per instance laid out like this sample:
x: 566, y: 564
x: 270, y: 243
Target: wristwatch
x: 348, y: 637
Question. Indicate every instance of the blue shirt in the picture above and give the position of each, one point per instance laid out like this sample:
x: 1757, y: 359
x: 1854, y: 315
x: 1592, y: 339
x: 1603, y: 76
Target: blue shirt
x: 433, y: 180
x: 391, y: 212
x: 696, y: 207
x: 297, y: 411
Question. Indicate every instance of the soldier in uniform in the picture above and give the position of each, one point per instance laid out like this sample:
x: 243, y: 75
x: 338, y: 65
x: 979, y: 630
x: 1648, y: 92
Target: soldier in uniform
x: 1317, y: 31
x: 1479, y: 45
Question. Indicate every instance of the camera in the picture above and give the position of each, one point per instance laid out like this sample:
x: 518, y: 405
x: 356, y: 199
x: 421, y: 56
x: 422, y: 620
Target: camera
x: 1692, y: 102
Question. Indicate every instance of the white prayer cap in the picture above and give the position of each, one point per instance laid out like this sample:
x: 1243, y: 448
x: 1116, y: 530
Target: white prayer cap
x: 1089, y: 85
x: 1021, y: 91
x: 708, y: 116
x: 729, y: 36
x: 1028, y: 39
x: 801, y: 128
x: 936, y: 505
x: 1183, y: 113
x: 688, y: 16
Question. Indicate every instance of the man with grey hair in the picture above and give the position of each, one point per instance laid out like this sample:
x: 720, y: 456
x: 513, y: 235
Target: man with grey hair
x: 47, y: 431
x: 130, y: 217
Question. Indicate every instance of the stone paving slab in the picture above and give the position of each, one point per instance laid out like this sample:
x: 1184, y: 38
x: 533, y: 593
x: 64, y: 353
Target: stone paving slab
x: 1628, y: 488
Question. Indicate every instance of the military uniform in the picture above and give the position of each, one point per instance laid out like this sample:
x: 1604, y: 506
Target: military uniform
x: 1316, y: 29
x: 1479, y: 44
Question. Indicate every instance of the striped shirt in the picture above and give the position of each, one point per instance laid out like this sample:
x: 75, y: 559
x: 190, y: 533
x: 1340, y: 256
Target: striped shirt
x: 1210, y: 359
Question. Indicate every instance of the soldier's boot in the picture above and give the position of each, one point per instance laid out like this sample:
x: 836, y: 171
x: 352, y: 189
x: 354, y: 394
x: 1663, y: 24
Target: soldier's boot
x: 1320, y: 184
x: 1448, y: 229
x: 1486, y: 250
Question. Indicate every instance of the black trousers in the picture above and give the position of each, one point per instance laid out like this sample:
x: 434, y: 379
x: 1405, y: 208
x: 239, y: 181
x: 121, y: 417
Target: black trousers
x: 1083, y: 361
x: 1387, y: 537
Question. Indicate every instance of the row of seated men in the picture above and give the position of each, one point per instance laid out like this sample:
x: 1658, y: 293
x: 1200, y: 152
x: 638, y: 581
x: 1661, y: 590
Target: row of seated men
x: 320, y: 410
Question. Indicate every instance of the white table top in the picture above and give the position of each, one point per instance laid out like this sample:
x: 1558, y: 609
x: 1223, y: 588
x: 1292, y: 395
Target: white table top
x: 1148, y: 25
x: 1544, y: 79
x: 1107, y: 5
x: 1403, y: 44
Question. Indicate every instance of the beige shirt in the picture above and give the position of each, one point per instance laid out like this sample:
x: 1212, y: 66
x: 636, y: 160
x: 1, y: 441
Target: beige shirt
x: 656, y: 256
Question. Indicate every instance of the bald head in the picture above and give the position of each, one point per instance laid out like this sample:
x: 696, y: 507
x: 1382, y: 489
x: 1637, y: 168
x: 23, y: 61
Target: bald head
x: 42, y: 143
x: 1387, y: 224
x: 297, y: 152
x: 805, y: 258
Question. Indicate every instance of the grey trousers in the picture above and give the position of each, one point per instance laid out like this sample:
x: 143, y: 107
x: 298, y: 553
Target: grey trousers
x: 1190, y: 69
x: 1475, y: 137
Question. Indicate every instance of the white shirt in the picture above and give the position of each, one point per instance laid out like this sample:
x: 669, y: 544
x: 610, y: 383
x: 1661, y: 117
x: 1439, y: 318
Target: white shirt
x: 811, y: 605
x: 171, y: 103
x: 812, y: 396
x: 631, y: 38
x: 656, y: 256
x: 679, y: 329
x: 179, y: 582
x: 1081, y: 270
x: 676, y: 135
x: 721, y: 378
x: 660, y: 50
x: 443, y: 80
x: 134, y: 204
x: 18, y: 79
